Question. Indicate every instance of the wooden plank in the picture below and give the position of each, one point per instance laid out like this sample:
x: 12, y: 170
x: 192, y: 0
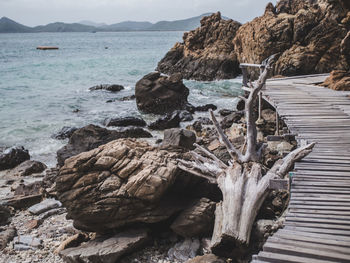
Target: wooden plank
x: 340, y: 222
x: 314, y: 237
x: 318, y: 230
x: 343, y: 229
x: 305, y: 252
x: 280, y: 258
x: 318, y: 211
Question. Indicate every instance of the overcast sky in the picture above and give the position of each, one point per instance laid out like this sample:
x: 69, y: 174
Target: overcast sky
x: 38, y: 12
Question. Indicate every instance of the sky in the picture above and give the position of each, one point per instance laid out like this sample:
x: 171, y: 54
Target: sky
x: 40, y: 12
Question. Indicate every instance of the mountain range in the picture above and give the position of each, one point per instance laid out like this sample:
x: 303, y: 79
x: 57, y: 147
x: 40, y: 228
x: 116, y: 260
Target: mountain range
x: 9, y: 26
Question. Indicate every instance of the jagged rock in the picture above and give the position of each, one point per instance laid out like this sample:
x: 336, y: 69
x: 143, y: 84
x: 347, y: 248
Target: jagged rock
x: 125, y: 121
x: 197, y: 220
x: 117, y: 184
x: 234, y: 117
x: 207, y: 53
x: 161, y: 94
x: 92, y: 136
x: 7, y: 236
x: 338, y: 80
x: 166, y: 122
x: 208, y: 258
x: 307, y: 35
x: 206, y: 107
x: 64, y: 133
x: 11, y: 157
x: 5, y: 215
x: 185, y: 115
x: 44, y: 206
x: 179, y: 137
x: 185, y: 250
x: 108, y: 87
x: 225, y: 112
x: 20, y: 202
x: 106, y: 250
x: 28, y: 167
x: 131, y: 97
x: 204, y: 120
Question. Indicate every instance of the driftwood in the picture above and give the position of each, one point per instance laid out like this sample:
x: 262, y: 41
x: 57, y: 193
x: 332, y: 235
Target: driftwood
x: 243, y: 187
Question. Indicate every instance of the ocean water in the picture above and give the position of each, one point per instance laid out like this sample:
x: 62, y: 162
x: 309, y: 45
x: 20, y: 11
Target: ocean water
x: 40, y: 90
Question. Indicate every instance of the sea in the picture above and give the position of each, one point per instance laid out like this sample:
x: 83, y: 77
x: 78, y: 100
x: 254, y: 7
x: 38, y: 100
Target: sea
x: 42, y: 91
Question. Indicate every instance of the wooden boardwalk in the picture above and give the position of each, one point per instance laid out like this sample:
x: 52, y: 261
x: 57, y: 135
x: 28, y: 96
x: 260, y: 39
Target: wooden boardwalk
x: 317, y: 226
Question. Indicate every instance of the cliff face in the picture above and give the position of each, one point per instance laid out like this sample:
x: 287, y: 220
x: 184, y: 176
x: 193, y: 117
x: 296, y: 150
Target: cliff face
x: 306, y: 34
x: 310, y: 36
x: 207, y: 52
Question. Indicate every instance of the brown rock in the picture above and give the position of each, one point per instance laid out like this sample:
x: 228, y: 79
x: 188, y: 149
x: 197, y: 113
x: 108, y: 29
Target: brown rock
x: 72, y: 241
x: 92, y: 136
x: 28, y: 167
x: 20, y: 202
x: 338, y: 80
x: 306, y: 34
x: 196, y: 220
x: 179, y: 137
x: 209, y: 258
x: 5, y: 215
x: 206, y: 53
x: 118, y: 184
x: 31, y: 224
x: 161, y: 94
x: 106, y: 250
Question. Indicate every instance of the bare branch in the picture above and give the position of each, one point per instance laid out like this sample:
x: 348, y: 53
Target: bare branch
x: 210, y: 155
x: 234, y: 153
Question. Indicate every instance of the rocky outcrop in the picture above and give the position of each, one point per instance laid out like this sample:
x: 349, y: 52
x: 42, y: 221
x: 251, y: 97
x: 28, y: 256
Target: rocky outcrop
x: 338, y: 80
x: 28, y: 167
x: 108, y: 87
x: 106, y: 250
x: 206, y: 53
x: 125, y: 121
x: 180, y: 138
x: 307, y: 35
x: 160, y: 94
x: 65, y: 133
x: 92, y: 136
x: 197, y: 220
x: 117, y: 184
x: 12, y: 157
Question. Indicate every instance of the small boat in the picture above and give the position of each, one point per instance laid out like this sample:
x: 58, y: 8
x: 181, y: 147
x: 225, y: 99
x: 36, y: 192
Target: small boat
x: 46, y: 48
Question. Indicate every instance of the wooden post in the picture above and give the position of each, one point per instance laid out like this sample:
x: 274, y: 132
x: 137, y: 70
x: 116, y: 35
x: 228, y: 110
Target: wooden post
x: 277, y: 125
x: 260, y: 106
x: 245, y: 76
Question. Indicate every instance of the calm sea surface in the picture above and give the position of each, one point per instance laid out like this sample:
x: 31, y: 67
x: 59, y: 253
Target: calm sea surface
x: 39, y: 90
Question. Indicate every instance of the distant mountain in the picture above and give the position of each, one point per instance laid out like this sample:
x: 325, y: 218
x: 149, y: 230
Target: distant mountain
x: 128, y: 26
x: 9, y: 26
x: 63, y: 27
x: 90, y: 23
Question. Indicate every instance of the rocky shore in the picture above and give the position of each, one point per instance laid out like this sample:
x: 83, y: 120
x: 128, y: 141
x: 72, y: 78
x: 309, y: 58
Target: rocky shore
x: 118, y: 193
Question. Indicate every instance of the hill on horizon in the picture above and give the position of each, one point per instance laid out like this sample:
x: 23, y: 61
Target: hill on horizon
x: 10, y: 26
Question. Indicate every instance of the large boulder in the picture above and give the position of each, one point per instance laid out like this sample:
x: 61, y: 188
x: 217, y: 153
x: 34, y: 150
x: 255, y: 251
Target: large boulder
x: 28, y: 167
x: 12, y: 157
x: 307, y: 35
x: 161, y: 94
x: 207, y: 53
x: 118, y: 184
x: 180, y: 138
x: 92, y: 136
x: 338, y: 80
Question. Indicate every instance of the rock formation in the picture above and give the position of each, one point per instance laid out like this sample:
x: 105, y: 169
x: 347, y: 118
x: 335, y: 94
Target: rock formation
x: 92, y: 136
x: 309, y: 37
x: 206, y: 53
x: 306, y: 34
x: 338, y: 80
x: 12, y: 157
x: 108, y: 87
x: 160, y: 94
x: 117, y: 184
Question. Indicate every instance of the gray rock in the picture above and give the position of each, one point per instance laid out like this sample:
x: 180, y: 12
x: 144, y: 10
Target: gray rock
x: 12, y: 157
x: 185, y: 250
x: 52, y: 212
x: 124, y: 122
x: 27, y: 240
x: 64, y: 133
x: 166, y: 122
x: 179, y: 137
x: 21, y: 247
x: 28, y: 167
x: 108, y: 87
x: 106, y: 250
x: 196, y: 220
x: 206, y: 107
x: 44, y: 206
